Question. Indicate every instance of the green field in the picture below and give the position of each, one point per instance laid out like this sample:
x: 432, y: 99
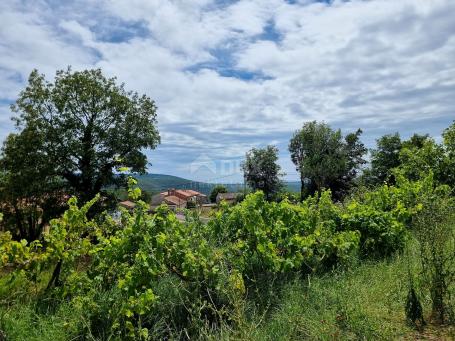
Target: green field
x: 365, y: 303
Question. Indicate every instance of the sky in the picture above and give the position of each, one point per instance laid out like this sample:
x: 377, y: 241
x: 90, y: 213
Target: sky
x: 231, y: 75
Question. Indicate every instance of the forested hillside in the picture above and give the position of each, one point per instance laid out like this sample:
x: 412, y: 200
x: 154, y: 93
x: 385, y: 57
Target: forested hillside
x: 154, y: 183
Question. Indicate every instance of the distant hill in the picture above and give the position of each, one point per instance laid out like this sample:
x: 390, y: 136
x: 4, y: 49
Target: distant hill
x: 155, y: 183
x: 292, y: 186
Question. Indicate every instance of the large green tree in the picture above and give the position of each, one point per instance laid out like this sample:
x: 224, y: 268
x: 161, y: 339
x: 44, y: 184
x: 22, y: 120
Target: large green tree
x: 421, y: 154
x: 89, y: 126
x: 262, y: 171
x: 324, y: 159
x: 391, y: 152
x: 355, y: 151
x: 384, y: 158
x: 30, y: 193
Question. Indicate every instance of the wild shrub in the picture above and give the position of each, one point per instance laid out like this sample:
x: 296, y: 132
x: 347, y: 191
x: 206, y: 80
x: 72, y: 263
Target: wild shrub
x: 115, y: 269
x: 383, y: 216
x: 149, y: 248
x: 381, y: 233
x: 275, y: 237
x: 434, y: 228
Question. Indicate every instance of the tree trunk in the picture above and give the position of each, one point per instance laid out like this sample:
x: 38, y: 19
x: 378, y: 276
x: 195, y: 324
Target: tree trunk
x: 302, y: 188
x: 55, y: 279
x: 86, y: 164
x: 19, y: 223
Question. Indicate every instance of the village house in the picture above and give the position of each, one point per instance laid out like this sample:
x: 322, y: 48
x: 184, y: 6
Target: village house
x: 178, y: 198
x: 230, y: 198
x: 129, y: 205
x: 174, y: 198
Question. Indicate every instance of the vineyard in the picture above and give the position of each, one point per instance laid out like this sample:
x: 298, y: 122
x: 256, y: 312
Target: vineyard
x: 150, y: 276
x: 227, y: 170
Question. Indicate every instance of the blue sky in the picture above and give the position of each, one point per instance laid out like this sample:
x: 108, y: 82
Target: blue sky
x: 231, y: 75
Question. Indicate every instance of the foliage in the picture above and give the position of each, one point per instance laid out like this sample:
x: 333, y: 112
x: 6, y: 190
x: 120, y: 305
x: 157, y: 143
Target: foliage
x: 145, y: 249
x: 449, y: 138
x: 383, y: 159
x: 449, y: 144
x: 129, y: 262
x: 87, y: 126
x: 414, y: 158
x: 381, y: 232
x: 292, y: 197
x: 325, y: 159
x: 416, y: 141
x: 434, y: 228
x: 355, y: 152
x: 217, y: 189
x: 415, y: 162
x: 280, y: 237
x: 151, y: 276
x: 362, y: 304
x: 70, y: 239
x: 146, y: 196
x: 30, y: 193
x: 413, y: 308
x: 262, y: 172
x: 384, y: 215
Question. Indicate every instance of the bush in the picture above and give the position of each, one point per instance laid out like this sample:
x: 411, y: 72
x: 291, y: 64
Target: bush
x: 274, y: 237
x: 381, y: 233
x: 384, y: 215
x: 153, y: 254
x: 434, y: 228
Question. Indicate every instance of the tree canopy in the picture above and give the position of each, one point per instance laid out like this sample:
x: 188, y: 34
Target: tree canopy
x: 217, y: 189
x: 88, y: 126
x: 413, y: 157
x: 325, y: 159
x: 384, y: 158
x: 73, y: 134
x: 261, y: 170
x: 29, y: 190
x: 421, y: 155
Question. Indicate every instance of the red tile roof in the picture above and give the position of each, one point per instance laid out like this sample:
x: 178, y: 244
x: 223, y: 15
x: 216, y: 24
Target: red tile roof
x: 127, y: 204
x: 177, y: 197
x: 191, y: 192
x: 173, y: 200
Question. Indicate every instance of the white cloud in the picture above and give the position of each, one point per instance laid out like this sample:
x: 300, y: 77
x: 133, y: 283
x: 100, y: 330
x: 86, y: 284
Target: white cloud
x: 230, y: 76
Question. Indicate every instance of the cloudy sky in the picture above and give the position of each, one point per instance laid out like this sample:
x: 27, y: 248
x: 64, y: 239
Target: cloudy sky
x: 231, y: 75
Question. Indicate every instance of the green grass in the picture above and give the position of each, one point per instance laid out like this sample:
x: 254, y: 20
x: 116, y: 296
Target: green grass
x: 22, y: 322
x: 363, y: 304
x: 366, y: 303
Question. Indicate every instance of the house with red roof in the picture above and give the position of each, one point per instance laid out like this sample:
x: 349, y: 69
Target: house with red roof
x: 179, y: 198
